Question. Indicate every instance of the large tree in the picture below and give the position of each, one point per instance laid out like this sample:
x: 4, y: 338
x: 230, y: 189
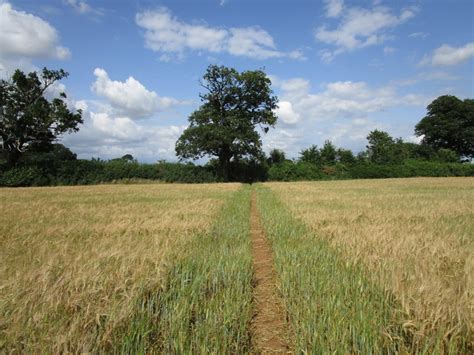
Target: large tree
x: 225, y: 125
x: 28, y: 118
x: 449, y: 124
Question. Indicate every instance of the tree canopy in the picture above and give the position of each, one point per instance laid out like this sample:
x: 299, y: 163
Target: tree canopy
x: 28, y: 118
x: 449, y: 124
x: 380, y: 147
x: 276, y: 156
x: 225, y: 125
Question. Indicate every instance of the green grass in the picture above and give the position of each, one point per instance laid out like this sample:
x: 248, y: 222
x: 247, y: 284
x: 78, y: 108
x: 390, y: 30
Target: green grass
x: 206, y: 304
x: 332, y: 306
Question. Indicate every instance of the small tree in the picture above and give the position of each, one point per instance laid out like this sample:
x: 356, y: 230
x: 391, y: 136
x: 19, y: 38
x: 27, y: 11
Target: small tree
x: 225, y: 124
x: 276, y: 156
x: 328, y: 153
x: 311, y: 155
x: 380, y: 147
x: 28, y: 118
x: 449, y: 124
x: 345, y: 156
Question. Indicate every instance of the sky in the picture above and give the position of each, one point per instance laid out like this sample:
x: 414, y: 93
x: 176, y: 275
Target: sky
x: 340, y: 68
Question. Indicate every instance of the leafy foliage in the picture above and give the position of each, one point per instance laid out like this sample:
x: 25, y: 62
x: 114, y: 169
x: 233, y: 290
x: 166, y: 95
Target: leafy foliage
x: 222, y: 128
x: 449, y: 124
x: 28, y: 118
x: 276, y: 156
x: 225, y: 124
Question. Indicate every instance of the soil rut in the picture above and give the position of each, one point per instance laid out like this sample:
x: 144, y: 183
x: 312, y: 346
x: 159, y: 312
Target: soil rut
x: 269, y: 333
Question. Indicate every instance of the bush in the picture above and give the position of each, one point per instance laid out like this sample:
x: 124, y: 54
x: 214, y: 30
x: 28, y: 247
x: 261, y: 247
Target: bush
x: 291, y: 171
x: 185, y: 173
x: 23, y: 176
x: 48, y: 171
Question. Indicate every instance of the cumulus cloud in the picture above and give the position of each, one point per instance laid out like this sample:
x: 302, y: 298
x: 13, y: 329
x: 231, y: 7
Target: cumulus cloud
x: 25, y: 37
x: 342, y: 99
x: 130, y: 97
x: 111, y: 128
x: 358, y: 28
x: 447, y: 55
x: 108, y: 136
x: 354, y: 130
x: 172, y: 37
x: 288, y: 140
x: 286, y: 113
x: 334, y: 7
x: 342, y: 111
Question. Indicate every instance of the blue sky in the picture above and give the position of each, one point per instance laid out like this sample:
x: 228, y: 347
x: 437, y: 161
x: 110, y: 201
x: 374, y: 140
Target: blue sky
x: 340, y: 68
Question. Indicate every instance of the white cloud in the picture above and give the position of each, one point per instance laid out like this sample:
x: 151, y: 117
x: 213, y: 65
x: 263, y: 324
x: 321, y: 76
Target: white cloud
x: 421, y: 35
x: 287, y: 140
x: 447, y: 55
x: 359, y: 28
x: 111, y: 128
x: 82, y: 7
x: 251, y: 42
x: 413, y: 139
x: 130, y: 97
x: 286, y: 113
x: 297, y: 87
x: 341, y: 99
x: 166, y: 34
x: 334, y: 7
x: 342, y: 111
x: 24, y: 37
x: 108, y: 136
x: 355, y: 130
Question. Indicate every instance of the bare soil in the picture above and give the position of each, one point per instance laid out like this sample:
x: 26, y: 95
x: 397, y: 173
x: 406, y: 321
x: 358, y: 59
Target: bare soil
x: 269, y: 332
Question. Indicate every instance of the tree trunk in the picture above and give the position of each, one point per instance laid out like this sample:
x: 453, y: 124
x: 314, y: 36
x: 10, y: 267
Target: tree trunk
x: 12, y: 157
x: 224, y: 162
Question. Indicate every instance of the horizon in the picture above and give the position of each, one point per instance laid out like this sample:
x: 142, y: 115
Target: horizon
x: 339, y: 68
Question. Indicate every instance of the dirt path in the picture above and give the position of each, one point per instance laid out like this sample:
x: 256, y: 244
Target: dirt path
x: 269, y: 333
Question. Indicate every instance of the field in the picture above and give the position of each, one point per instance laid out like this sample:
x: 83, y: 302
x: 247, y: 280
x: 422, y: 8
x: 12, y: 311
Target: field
x: 364, y: 266
x: 411, y: 237
x: 74, y: 260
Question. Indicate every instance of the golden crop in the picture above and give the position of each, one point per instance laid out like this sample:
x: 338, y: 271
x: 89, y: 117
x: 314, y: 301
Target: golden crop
x: 74, y: 260
x: 414, y: 236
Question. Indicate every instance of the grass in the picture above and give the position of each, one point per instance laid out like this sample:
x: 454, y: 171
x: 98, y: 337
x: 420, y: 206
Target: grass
x: 412, y: 237
x: 76, y: 260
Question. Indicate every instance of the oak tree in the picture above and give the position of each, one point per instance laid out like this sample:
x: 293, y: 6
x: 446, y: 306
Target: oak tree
x: 449, y: 124
x: 28, y: 118
x: 225, y: 126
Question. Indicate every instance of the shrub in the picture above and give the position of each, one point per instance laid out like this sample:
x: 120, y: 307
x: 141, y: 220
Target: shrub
x: 23, y: 176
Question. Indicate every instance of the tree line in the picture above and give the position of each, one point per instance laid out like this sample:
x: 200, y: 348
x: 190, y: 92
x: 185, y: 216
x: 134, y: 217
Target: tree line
x: 237, y: 108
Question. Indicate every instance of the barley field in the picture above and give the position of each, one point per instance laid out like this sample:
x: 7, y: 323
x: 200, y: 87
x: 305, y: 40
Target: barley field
x: 360, y: 266
x: 75, y: 259
x: 413, y: 237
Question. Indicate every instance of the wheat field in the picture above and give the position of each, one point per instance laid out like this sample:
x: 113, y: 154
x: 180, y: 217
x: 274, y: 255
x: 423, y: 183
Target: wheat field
x: 74, y: 260
x: 415, y: 237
